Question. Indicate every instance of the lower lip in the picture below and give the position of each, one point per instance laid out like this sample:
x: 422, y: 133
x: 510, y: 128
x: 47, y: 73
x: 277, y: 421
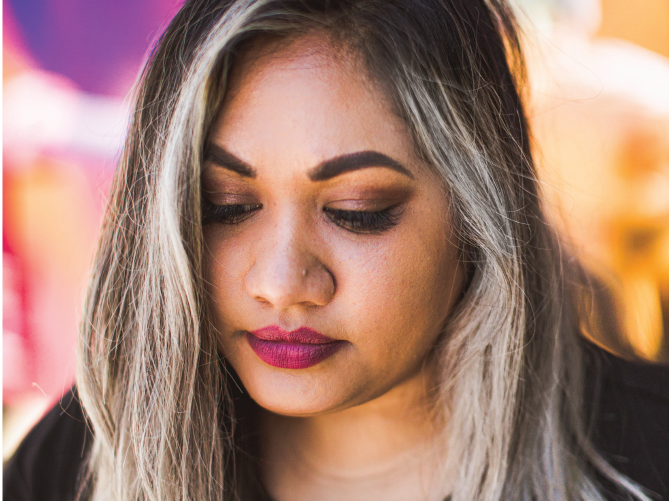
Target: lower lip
x: 287, y: 355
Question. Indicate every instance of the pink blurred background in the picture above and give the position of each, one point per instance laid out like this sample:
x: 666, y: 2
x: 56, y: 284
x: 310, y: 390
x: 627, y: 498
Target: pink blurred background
x: 598, y: 102
x: 68, y: 68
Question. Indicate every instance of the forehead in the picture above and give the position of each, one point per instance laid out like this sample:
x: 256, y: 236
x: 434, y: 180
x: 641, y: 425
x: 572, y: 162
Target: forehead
x: 312, y: 59
x: 307, y: 100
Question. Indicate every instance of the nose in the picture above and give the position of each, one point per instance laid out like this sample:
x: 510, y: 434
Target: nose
x: 287, y: 272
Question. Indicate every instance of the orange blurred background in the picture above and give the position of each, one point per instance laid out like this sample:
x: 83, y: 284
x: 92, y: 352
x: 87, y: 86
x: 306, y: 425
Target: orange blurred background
x: 598, y: 104
x: 599, y: 108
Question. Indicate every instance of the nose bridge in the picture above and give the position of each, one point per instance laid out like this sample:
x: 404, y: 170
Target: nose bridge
x: 285, y: 258
x: 286, y: 269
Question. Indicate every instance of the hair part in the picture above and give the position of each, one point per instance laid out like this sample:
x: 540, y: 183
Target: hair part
x: 163, y: 406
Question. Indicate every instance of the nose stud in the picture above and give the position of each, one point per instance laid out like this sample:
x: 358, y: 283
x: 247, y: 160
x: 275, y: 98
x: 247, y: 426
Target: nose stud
x: 305, y: 272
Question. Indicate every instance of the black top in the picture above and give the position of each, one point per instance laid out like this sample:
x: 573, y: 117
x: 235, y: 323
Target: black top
x: 631, y: 430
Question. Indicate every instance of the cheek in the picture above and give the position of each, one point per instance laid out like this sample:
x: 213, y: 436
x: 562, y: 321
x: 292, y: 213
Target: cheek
x: 225, y: 262
x: 398, y: 294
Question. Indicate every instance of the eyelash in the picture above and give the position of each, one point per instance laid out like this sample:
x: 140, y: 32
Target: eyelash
x: 228, y: 214
x: 364, y: 221
x: 354, y: 221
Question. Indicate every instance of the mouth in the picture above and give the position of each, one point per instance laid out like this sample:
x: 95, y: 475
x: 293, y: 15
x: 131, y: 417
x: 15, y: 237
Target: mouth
x: 297, y: 349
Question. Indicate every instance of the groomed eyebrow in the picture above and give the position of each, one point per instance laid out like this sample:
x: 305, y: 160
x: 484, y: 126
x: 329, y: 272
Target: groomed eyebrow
x: 219, y: 156
x: 355, y: 161
x: 322, y: 172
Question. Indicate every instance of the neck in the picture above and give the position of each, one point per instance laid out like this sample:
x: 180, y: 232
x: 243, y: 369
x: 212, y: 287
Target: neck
x: 382, y: 449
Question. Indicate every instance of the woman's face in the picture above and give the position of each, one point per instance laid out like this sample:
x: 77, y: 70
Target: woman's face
x: 330, y: 255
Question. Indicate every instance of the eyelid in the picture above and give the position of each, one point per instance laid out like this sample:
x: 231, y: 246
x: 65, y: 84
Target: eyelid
x: 221, y: 181
x: 370, y: 195
x: 223, y: 198
x: 363, y: 205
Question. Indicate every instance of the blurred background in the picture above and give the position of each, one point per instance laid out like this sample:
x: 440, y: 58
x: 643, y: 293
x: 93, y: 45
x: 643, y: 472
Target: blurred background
x: 599, y: 108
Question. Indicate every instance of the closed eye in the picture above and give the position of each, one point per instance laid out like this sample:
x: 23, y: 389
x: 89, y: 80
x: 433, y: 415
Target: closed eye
x: 365, y: 221
x: 228, y: 214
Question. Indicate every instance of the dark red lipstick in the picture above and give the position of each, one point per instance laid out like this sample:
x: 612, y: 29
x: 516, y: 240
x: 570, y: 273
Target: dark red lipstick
x: 298, y: 349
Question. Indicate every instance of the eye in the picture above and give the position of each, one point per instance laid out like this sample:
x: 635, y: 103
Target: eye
x: 365, y: 221
x: 228, y: 214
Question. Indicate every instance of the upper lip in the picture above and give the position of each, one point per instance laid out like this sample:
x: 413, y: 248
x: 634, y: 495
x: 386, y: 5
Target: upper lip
x: 302, y: 335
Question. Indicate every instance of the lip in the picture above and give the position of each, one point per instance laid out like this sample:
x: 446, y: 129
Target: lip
x: 297, y: 349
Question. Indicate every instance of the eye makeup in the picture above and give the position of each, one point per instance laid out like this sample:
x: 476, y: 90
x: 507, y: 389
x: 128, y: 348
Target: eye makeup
x: 355, y: 221
x: 367, y: 209
x: 365, y: 221
x: 359, y: 208
x: 225, y: 200
x: 227, y: 214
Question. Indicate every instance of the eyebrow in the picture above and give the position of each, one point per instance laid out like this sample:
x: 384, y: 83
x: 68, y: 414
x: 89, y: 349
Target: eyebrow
x: 219, y: 156
x: 355, y: 161
x: 322, y: 172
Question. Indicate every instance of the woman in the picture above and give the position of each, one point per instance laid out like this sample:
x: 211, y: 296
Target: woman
x: 325, y: 272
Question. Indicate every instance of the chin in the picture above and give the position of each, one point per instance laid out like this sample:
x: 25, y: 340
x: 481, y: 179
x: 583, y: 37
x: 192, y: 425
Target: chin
x: 296, y: 402
x: 299, y: 393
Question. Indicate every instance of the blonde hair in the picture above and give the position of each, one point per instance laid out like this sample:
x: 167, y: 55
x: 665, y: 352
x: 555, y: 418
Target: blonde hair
x: 159, y: 396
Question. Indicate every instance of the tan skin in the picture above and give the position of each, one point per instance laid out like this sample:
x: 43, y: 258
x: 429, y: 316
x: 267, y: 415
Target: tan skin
x: 356, y: 425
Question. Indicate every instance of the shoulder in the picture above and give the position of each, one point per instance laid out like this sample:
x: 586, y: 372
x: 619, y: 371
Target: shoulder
x: 629, y: 404
x: 47, y: 464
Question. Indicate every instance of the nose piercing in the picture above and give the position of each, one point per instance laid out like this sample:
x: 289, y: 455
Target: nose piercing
x: 305, y: 272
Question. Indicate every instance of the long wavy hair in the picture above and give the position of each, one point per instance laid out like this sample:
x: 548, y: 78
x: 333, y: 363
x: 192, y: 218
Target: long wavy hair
x: 168, y: 419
